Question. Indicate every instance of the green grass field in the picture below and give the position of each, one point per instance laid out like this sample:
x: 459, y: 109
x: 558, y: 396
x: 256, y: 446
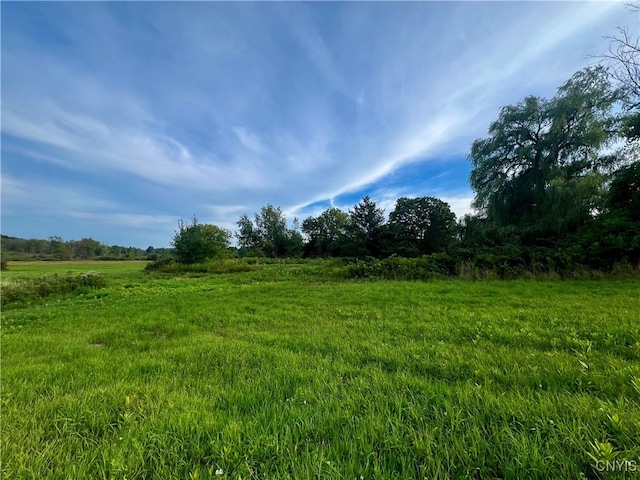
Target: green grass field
x: 280, y: 372
x: 35, y: 269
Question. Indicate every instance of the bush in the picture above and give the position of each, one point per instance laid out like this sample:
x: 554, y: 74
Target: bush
x: 426, y: 267
x: 160, y: 263
x: 168, y: 265
x: 42, y: 287
x: 195, y: 242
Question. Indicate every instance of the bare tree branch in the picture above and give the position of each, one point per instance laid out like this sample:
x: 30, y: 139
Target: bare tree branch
x: 623, y: 62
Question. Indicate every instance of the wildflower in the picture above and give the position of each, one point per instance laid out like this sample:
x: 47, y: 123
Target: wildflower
x: 219, y: 471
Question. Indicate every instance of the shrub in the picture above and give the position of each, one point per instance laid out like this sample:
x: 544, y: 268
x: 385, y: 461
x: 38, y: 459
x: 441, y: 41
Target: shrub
x: 168, y: 265
x: 42, y: 287
x: 195, y: 242
x: 160, y: 263
x: 398, y: 268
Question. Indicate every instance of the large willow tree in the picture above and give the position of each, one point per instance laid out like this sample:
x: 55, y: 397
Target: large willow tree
x: 538, y: 171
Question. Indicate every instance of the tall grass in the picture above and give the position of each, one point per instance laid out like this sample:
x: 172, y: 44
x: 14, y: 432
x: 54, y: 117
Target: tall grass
x: 272, y: 374
x: 168, y: 265
x: 30, y: 289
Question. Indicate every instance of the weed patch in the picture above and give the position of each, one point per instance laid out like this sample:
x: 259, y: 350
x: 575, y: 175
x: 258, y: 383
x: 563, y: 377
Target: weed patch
x: 219, y: 267
x: 30, y: 289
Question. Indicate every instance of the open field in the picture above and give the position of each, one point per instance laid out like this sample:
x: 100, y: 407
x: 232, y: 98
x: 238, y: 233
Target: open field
x: 281, y: 373
x: 38, y: 268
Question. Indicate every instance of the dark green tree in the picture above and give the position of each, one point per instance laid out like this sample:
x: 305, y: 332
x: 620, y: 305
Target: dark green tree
x: 196, y: 242
x: 269, y: 235
x: 87, y: 248
x: 271, y: 228
x: 59, y: 248
x: 364, y: 229
x: 420, y: 226
x: 542, y: 151
x: 248, y: 239
x: 295, y: 240
x: 325, y: 233
x: 624, y: 192
x: 614, y: 236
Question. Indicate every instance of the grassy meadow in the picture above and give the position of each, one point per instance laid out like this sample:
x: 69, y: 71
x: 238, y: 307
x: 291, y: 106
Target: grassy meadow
x: 284, y: 371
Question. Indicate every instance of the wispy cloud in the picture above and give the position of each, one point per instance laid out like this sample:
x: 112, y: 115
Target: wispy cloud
x: 249, y: 140
x: 38, y: 197
x: 127, y: 219
x: 314, y: 46
x: 183, y: 106
x: 95, y: 146
x: 59, y: 206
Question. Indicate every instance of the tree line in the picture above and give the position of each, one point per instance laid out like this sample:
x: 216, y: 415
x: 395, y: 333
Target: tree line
x: 56, y: 248
x: 556, y: 186
x: 556, y: 183
x: 417, y: 226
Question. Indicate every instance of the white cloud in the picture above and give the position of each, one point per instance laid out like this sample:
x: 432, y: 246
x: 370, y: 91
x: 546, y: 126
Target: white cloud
x: 332, y: 100
x: 315, y: 47
x: 15, y: 195
x: 92, y: 145
x: 460, y: 205
x: 129, y: 220
x: 249, y: 140
x: 72, y: 208
x: 43, y: 197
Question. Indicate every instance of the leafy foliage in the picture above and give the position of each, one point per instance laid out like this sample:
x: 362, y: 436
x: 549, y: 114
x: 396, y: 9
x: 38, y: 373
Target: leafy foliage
x: 420, y: 226
x: 426, y: 267
x: 269, y: 235
x: 624, y: 191
x: 160, y: 263
x: 364, y: 229
x: 197, y: 242
x: 543, y: 180
x: 271, y: 229
x: 325, y: 233
x: 31, y: 289
x: 541, y: 155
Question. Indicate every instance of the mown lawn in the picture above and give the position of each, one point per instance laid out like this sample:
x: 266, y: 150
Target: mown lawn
x: 287, y: 375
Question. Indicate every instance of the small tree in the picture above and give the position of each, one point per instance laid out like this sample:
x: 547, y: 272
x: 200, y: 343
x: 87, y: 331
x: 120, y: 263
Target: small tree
x: 248, y: 237
x: 271, y: 227
x: 364, y: 228
x: 269, y: 234
x: 197, y: 242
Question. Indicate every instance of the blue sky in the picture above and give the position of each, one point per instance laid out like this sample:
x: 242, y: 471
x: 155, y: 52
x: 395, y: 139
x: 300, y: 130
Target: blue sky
x: 120, y: 118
